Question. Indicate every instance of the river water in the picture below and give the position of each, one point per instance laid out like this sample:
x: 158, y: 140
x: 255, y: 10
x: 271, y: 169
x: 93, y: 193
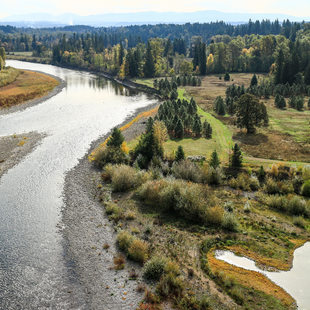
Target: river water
x: 34, y: 271
x: 295, y: 281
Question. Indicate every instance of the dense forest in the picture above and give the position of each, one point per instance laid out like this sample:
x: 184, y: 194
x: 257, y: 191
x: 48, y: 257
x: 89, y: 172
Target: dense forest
x: 167, y: 50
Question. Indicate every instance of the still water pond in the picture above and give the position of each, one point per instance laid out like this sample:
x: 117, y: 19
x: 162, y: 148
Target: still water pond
x: 34, y: 272
x: 296, y: 281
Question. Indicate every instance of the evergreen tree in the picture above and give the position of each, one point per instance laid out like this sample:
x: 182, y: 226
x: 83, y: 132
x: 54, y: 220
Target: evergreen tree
x: 179, y: 129
x: 121, y: 54
x: 292, y: 102
x: 226, y: 77
x: 197, y: 127
x: 148, y: 147
x: 174, y: 95
x: 251, y: 113
x: 207, y: 130
x: 236, y: 159
x: 299, y: 103
x: 116, y: 139
x: 307, y: 74
x: 254, y: 81
x: 149, y: 66
x: 280, y: 102
x: 214, y: 161
x: 219, y: 106
x: 203, y: 59
x: 309, y: 103
x: 180, y: 155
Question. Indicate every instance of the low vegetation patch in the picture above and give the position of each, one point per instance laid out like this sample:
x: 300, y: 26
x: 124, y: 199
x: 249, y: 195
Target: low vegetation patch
x: 26, y: 86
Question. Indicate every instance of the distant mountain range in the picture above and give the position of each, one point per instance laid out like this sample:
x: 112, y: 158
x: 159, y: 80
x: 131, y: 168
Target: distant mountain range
x: 123, y: 19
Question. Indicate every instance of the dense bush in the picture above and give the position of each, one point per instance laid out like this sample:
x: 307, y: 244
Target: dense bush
x: 187, y: 200
x: 272, y: 187
x: 187, y: 170
x: 123, y: 177
x: 114, y: 155
x: 294, y: 205
x: 230, y: 223
x: 138, y: 250
x: 124, y: 240
x: 154, y: 268
x: 305, y: 191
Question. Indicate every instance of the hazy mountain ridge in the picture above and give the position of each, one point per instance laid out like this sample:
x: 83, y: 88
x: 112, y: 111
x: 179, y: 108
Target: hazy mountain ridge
x: 118, y: 19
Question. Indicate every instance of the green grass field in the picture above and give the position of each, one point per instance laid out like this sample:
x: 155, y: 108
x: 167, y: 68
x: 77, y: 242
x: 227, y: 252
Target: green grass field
x: 292, y: 122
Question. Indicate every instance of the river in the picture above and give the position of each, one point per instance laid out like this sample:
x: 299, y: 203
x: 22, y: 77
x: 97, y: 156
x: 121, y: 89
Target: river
x: 34, y: 271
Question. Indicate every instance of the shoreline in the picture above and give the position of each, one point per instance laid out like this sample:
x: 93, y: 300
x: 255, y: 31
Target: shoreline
x: 86, y: 229
x: 30, y: 103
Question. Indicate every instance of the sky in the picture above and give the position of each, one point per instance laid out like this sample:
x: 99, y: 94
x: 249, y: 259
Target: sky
x: 82, y: 7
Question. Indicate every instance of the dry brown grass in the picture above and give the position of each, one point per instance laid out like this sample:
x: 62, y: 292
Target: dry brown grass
x: 28, y: 85
x: 212, y: 86
x: 249, y: 278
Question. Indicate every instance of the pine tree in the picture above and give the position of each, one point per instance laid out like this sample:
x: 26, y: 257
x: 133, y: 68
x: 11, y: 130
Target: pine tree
x: 219, y: 106
x: 254, y: 80
x: 149, y: 66
x: 214, y: 161
x: 309, y: 103
x: 292, y: 102
x: 207, y: 130
x: 251, y: 113
x: 180, y: 155
x: 197, y: 127
x: 116, y: 139
x: 203, y: 59
x: 179, y: 130
x: 236, y: 159
x: 226, y: 77
x: 299, y: 103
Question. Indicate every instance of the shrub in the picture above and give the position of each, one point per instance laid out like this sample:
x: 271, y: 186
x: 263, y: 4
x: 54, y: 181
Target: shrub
x: 306, y: 172
x: 186, y: 170
x: 183, y: 199
x: 298, y: 206
x: 125, y: 178
x: 271, y: 187
x: 305, y: 191
x: 277, y: 202
x: 170, y: 285
x: 113, y: 155
x: 154, y: 268
x: 230, y: 223
x: 138, y: 250
x: 297, y: 183
x: 214, y: 215
x: 119, y: 262
x: 113, y: 211
x: 299, y: 221
x: 214, y: 176
x: 253, y: 183
x: 124, y: 240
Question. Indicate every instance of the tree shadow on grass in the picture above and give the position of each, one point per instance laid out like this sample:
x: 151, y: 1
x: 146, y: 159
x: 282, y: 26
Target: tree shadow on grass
x: 251, y: 139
